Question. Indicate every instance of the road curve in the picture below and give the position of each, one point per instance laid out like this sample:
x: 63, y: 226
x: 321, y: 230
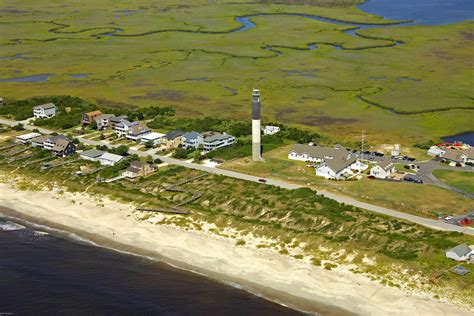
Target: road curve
x: 435, y: 224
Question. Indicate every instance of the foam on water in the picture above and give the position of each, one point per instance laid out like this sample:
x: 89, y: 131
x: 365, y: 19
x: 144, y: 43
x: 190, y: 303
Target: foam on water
x: 9, y: 226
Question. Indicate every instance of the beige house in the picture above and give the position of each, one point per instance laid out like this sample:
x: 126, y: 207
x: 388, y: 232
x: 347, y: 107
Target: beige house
x: 173, y: 139
x: 139, y: 169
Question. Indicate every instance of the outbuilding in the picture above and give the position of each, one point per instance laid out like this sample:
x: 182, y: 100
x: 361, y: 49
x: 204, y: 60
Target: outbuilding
x: 460, y: 253
x: 108, y: 159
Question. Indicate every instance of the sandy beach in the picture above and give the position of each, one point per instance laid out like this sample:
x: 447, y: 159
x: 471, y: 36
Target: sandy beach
x: 262, y: 271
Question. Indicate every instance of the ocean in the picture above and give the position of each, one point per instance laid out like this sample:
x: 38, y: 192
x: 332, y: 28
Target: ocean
x: 46, y: 274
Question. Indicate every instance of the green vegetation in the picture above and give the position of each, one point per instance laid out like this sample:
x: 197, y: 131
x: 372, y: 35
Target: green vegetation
x: 463, y: 180
x: 398, y: 94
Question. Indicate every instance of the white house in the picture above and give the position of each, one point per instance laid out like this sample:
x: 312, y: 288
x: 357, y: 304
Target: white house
x: 124, y: 127
x: 316, y: 153
x: 108, y: 159
x: 383, y: 169
x: 271, y: 130
x: 338, y: 168
x: 45, y: 111
x: 460, y: 253
x: 103, y: 121
x: 27, y: 138
x: 192, y: 140
x: 136, y: 132
x: 153, y: 137
x: 215, y: 140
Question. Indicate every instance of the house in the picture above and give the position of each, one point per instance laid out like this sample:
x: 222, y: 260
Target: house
x: 460, y: 253
x: 63, y: 148
x: 124, y: 127
x: 271, y: 130
x: 108, y: 159
x: 51, y: 141
x: 383, y: 169
x: 192, y: 140
x: 435, y: 151
x: 39, y: 141
x: 468, y: 155
x: 91, y: 155
x: 103, y: 121
x: 27, y: 138
x: 215, y: 140
x: 88, y: 118
x: 45, y: 111
x: 153, y: 137
x: 339, y: 167
x: 173, y: 139
x: 136, y: 132
x: 115, y: 120
x: 138, y: 169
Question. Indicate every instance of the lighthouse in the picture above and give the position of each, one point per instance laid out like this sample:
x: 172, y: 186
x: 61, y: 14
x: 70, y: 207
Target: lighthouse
x: 256, y: 130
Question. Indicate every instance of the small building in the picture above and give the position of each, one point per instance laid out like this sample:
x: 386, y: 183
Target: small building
x: 395, y: 152
x: 92, y: 154
x: 39, y: 141
x: 44, y: 111
x: 88, y: 118
x: 383, y: 169
x: 109, y: 159
x: 27, y: 138
x: 136, y: 132
x: 63, y: 148
x: 153, y: 137
x: 460, y: 253
x: 271, y: 130
x: 192, y: 140
x: 435, y: 151
x: 103, y: 121
x: 138, y: 169
x: 337, y: 168
x: 173, y: 139
x: 215, y: 140
x: 468, y: 155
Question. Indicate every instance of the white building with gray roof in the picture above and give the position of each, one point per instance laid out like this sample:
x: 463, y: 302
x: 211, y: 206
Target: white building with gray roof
x: 460, y: 253
x: 44, y: 111
x: 215, y: 140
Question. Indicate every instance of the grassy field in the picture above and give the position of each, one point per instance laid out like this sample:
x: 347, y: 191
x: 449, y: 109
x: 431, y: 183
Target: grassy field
x: 458, y: 179
x: 184, y: 54
x: 423, y: 200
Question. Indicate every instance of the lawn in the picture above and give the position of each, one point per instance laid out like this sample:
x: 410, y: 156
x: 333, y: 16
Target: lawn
x: 463, y: 180
x: 183, y: 54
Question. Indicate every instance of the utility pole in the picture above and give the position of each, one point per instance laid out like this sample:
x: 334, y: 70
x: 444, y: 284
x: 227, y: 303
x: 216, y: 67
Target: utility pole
x: 362, y: 146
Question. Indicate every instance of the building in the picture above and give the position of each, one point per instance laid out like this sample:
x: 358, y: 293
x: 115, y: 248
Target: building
x: 468, y: 155
x: 153, y: 137
x: 51, y: 141
x: 395, y: 152
x: 256, y: 132
x: 108, y: 159
x: 192, y: 140
x: 136, y: 132
x: 215, y: 140
x: 138, y: 169
x: 45, y: 111
x: 173, y: 139
x: 315, y: 153
x: 383, y: 169
x: 435, y: 151
x: 103, y: 121
x: 27, y: 138
x: 63, y: 148
x: 2, y: 102
x: 454, y: 156
x: 124, y: 127
x: 339, y: 167
x: 88, y: 118
x: 460, y: 253
x: 39, y: 141
x: 91, y: 155
x: 271, y: 130
x: 113, y: 121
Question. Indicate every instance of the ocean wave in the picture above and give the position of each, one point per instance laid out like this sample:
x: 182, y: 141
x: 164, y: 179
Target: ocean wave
x: 9, y: 226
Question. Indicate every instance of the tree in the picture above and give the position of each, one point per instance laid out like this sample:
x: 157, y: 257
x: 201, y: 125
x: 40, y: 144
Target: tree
x: 158, y: 161
x: 102, y: 136
x: 18, y: 127
x: 80, y: 146
x: 149, y: 144
x: 93, y: 125
x: 149, y: 159
x: 120, y: 150
x: 182, y: 153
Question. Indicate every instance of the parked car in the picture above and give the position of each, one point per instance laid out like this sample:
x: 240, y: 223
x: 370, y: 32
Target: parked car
x: 371, y: 177
x: 262, y: 180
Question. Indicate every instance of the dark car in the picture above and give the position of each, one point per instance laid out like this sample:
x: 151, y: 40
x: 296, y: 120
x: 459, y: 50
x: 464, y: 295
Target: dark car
x: 371, y: 177
x: 262, y: 180
x: 418, y: 181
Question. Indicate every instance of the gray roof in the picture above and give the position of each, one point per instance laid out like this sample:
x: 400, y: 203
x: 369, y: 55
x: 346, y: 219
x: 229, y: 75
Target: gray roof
x: 92, y: 153
x: 138, y: 130
x: 340, y: 162
x: 111, y: 157
x: 385, y: 164
x: 319, y: 151
x: 54, y: 139
x: 40, y: 139
x: 174, y: 134
x: 46, y: 106
x: 210, y: 137
x: 461, y: 250
x: 191, y: 135
x: 133, y: 169
x: 104, y: 116
x: 61, y: 144
x: 117, y: 119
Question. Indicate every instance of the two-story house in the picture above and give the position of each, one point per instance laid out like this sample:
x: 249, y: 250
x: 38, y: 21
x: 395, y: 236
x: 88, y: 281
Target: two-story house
x: 44, y: 111
x: 215, y: 140
x: 173, y: 139
x: 88, y: 118
x: 192, y: 140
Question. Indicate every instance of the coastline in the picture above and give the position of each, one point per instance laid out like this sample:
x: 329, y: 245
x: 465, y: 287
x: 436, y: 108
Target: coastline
x: 262, y: 272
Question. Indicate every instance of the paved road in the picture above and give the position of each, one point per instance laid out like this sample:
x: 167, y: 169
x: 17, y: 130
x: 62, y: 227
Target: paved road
x: 440, y: 225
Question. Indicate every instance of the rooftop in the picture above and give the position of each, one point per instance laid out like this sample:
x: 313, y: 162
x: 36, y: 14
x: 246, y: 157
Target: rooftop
x: 45, y: 106
x: 215, y: 136
x: 111, y: 157
x: 461, y: 250
x: 92, y: 153
x: 174, y: 134
x: 152, y: 136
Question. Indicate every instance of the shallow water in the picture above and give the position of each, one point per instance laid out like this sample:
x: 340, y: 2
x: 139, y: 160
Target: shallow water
x: 33, y: 78
x: 467, y: 138
x: 44, y: 274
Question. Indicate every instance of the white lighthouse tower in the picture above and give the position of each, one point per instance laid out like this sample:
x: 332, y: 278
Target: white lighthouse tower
x: 256, y: 130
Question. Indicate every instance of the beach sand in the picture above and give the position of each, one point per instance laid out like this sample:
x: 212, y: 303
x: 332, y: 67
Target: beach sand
x: 264, y: 272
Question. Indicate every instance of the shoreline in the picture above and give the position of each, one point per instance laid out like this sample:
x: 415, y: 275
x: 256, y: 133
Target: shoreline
x: 275, y: 277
